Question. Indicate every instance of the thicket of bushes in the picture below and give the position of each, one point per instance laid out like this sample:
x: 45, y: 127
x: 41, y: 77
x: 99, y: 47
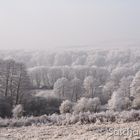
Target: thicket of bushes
x: 82, y: 105
x: 37, y: 106
x: 85, y: 110
x: 31, y: 106
x: 73, y: 118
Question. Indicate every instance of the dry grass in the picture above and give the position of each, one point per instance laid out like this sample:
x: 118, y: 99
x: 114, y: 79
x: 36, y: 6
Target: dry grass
x: 83, y: 126
x: 67, y: 132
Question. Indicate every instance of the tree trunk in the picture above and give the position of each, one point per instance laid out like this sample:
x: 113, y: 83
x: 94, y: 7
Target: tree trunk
x: 18, y: 90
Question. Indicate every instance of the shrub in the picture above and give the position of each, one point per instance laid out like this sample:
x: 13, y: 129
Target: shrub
x: 18, y: 111
x: 85, y: 105
x: 118, y: 102
x: 136, y: 103
x: 66, y: 107
x: 94, y: 104
x: 80, y: 106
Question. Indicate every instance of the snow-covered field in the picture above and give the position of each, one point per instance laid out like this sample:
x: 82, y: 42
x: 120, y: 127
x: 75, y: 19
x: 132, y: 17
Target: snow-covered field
x: 110, y: 131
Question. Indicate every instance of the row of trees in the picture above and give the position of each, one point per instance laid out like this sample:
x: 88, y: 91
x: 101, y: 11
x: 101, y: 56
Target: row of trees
x: 45, y: 77
x: 100, y: 58
x: 73, y: 82
x: 125, y: 96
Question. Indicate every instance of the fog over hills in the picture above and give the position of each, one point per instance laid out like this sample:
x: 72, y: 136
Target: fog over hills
x: 34, y: 24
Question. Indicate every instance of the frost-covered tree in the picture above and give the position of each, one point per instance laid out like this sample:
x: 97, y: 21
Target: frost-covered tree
x: 62, y: 88
x: 120, y: 72
x: 135, y: 90
x: 118, y: 102
x: 120, y: 99
x: 35, y: 76
x: 90, y: 86
x: 81, y: 104
x: 85, y: 105
x: 136, y: 103
x: 77, y: 89
x: 125, y: 85
x: 63, y: 58
x: 93, y: 104
x: 8, y: 70
x: 22, y: 84
x: 14, y: 80
x: 80, y: 60
x: 107, y: 91
x: 97, y: 58
x: 100, y: 74
x: 81, y: 72
x: 44, y: 77
x: 66, y: 107
x: 119, y: 57
x: 68, y: 72
x: 135, y: 86
x: 136, y: 67
x: 54, y: 73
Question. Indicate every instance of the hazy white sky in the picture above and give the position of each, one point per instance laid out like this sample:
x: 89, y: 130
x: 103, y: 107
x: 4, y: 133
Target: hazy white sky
x: 53, y: 23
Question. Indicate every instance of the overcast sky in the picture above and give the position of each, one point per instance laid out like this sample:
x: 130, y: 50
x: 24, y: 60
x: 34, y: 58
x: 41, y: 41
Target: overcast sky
x: 43, y: 24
